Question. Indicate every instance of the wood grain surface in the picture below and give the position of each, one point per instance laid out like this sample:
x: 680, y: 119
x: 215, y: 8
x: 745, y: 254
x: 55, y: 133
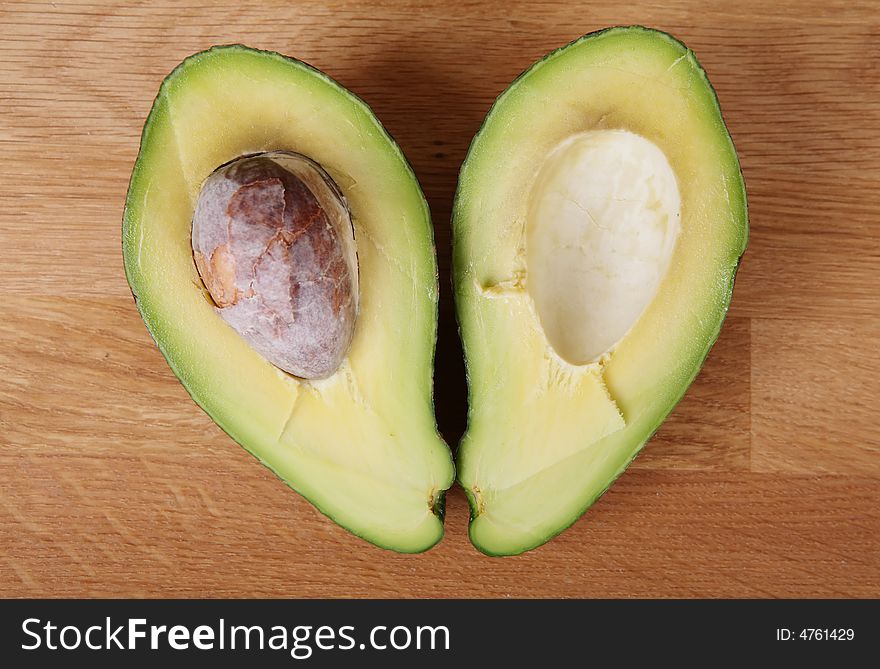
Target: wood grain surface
x: 765, y: 482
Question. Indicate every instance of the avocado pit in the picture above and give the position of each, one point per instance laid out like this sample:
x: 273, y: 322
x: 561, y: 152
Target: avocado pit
x: 273, y: 243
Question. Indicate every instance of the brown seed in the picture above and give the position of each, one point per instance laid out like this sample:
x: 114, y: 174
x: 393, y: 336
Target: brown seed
x: 273, y: 242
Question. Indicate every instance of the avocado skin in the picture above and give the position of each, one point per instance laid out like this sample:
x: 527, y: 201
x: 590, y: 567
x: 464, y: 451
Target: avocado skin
x: 458, y: 263
x: 438, y: 508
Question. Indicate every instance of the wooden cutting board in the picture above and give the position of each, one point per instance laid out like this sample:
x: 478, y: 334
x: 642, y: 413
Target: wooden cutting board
x: 765, y: 482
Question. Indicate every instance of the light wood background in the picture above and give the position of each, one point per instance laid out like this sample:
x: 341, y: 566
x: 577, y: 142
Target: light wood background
x: 766, y: 480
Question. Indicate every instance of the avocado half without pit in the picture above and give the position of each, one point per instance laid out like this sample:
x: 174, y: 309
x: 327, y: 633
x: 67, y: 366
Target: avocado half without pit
x: 281, y: 253
x: 598, y: 225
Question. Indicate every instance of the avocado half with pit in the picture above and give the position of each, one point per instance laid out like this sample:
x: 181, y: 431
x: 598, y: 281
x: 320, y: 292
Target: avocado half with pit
x: 599, y: 221
x: 281, y: 253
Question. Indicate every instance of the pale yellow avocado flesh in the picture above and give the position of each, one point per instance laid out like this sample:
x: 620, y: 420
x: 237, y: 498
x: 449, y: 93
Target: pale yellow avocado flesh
x: 546, y: 437
x: 362, y: 445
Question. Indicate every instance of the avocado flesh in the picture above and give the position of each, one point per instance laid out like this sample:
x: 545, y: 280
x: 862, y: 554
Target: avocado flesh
x: 546, y: 437
x: 361, y: 445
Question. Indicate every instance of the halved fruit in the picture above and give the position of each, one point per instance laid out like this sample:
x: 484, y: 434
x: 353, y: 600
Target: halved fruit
x: 361, y: 444
x: 599, y: 221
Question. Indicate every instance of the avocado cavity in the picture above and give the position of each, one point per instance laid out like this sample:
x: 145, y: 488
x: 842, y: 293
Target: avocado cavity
x: 603, y: 217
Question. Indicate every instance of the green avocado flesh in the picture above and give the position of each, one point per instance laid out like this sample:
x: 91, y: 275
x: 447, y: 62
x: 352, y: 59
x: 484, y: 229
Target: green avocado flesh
x: 361, y: 445
x: 598, y: 225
